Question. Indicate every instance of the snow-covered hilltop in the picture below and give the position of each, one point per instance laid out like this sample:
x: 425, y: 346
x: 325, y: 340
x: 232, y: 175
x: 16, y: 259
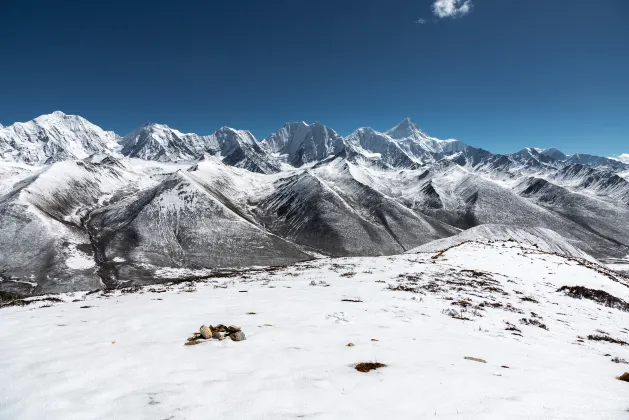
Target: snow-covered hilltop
x: 480, y: 330
x: 82, y: 208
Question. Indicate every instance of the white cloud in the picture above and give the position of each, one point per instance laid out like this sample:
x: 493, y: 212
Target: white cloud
x: 451, y: 8
x: 623, y: 158
x: 421, y: 21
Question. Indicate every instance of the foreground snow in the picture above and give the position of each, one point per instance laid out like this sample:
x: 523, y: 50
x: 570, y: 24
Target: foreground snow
x: 123, y: 357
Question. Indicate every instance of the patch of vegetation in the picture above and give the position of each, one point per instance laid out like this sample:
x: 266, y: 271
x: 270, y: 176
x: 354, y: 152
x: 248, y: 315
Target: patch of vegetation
x: 593, y: 337
x: 599, y: 296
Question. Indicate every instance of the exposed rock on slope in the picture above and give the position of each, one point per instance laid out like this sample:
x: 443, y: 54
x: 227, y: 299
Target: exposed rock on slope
x: 235, y: 147
x: 302, y: 143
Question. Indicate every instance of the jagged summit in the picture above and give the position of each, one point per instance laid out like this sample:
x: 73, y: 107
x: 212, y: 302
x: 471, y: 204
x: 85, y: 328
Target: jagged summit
x: 58, y: 136
x: 302, y: 143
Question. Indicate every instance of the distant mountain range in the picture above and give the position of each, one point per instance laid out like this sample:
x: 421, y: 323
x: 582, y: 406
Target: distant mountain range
x: 84, y: 208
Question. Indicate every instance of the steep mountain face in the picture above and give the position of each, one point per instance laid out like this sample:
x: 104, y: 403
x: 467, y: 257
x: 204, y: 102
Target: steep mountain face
x: 554, y: 153
x: 585, y: 159
x: 370, y: 144
x: 524, y: 162
x: 241, y: 149
x: 404, y: 146
x: 600, y: 182
x: 44, y: 245
x: 599, y: 217
x: 302, y: 143
x: 162, y: 143
x: 417, y: 143
x: 179, y: 224
x: 236, y: 147
x: 54, y: 137
x: 328, y: 209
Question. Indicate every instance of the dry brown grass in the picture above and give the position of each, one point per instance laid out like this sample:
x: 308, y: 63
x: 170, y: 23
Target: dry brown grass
x: 606, y: 338
x: 475, y: 359
x: 368, y: 366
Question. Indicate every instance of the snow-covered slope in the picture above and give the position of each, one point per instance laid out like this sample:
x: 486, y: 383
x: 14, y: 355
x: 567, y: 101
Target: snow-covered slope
x: 480, y: 332
x: 43, y: 244
x: 54, y: 137
x: 539, y: 238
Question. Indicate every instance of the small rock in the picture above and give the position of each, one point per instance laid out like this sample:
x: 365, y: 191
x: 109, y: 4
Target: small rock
x: 475, y: 359
x: 219, y: 328
x: 624, y: 377
x: 192, y: 343
x: 350, y: 344
x: 505, y: 367
x: 237, y: 336
x: 233, y: 329
x: 206, y: 332
x: 374, y: 339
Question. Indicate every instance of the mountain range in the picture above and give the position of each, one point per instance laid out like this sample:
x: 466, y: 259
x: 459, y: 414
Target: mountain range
x: 83, y: 208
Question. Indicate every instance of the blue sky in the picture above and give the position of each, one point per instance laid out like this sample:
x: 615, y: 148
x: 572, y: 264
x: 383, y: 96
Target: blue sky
x: 497, y: 74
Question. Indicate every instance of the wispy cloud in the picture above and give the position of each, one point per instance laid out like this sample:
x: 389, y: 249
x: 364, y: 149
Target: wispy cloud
x: 421, y: 21
x: 623, y: 158
x: 451, y: 8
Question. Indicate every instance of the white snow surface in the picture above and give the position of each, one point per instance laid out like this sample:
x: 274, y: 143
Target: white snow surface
x: 543, y: 239
x: 121, y: 355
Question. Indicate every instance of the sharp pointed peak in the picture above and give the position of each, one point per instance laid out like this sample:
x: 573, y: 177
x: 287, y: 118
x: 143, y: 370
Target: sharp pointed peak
x: 407, y: 122
x: 406, y: 128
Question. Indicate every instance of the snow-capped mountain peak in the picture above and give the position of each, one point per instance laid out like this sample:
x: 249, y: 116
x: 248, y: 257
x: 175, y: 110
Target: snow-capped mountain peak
x: 300, y: 143
x: 53, y: 137
x: 407, y: 128
x: 159, y: 142
x: 554, y: 153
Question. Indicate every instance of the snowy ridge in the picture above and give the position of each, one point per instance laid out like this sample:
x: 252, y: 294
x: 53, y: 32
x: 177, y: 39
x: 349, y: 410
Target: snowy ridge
x: 539, y: 238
